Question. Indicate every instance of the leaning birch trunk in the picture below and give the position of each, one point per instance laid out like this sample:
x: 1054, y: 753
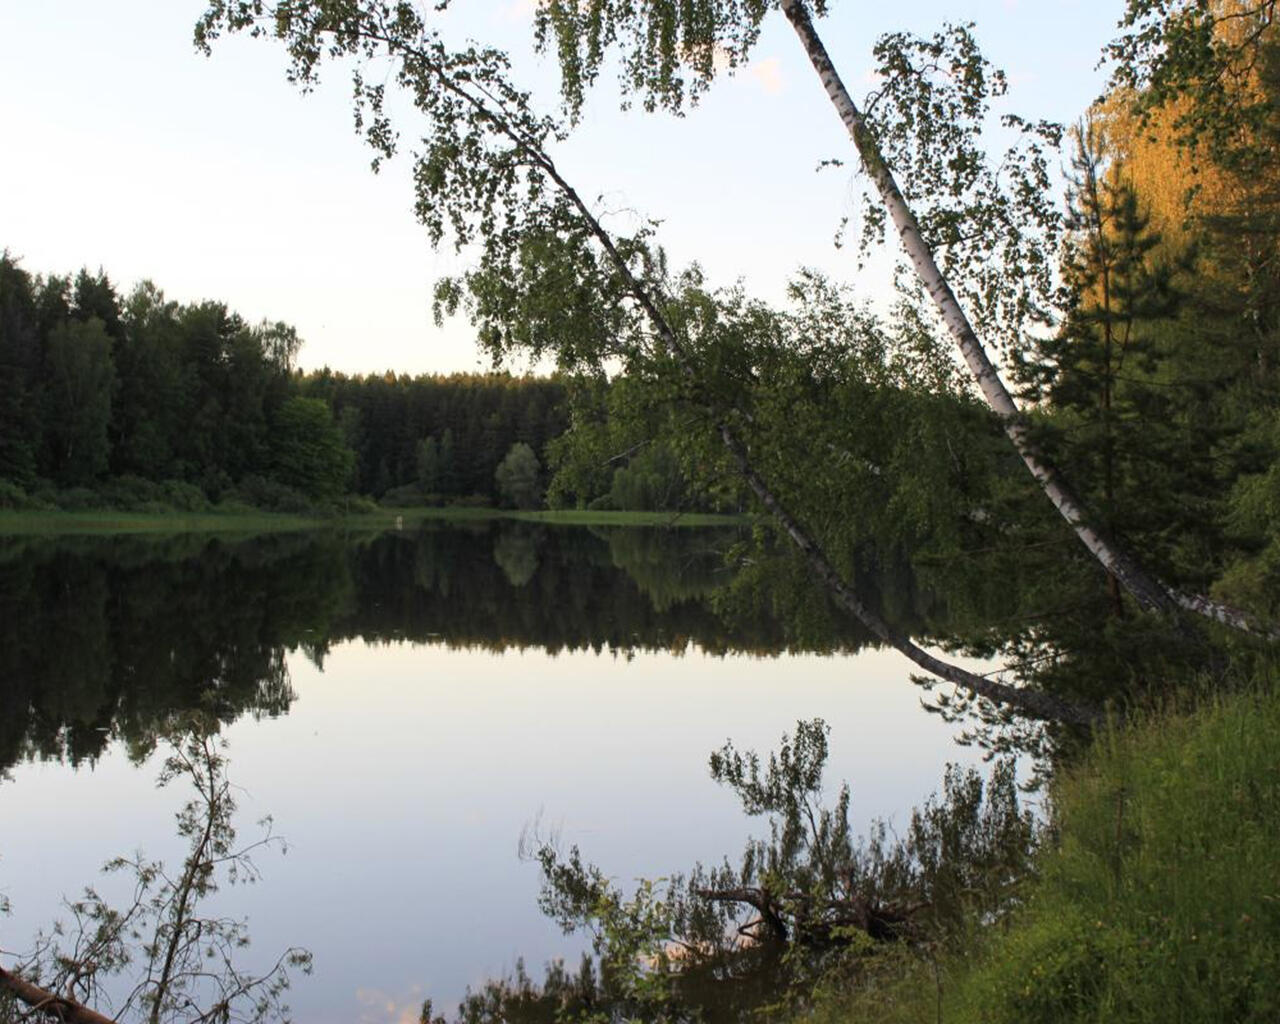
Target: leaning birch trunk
x: 1150, y: 593
x: 1035, y: 704
x: 49, y: 1004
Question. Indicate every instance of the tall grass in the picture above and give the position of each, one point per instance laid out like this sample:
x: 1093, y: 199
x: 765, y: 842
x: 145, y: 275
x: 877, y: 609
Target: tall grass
x: 1158, y: 896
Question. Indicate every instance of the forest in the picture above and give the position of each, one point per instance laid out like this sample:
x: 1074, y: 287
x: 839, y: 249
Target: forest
x: 138, y: 403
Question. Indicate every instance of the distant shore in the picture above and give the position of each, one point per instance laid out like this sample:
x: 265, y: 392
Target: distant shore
x: 25, y: 523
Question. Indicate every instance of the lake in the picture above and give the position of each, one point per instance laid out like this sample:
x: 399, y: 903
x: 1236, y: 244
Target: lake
x: 405, y: 706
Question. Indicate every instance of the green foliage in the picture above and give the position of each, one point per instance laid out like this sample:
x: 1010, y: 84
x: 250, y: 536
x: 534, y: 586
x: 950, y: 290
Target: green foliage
x: 1201, y: 55
x: 517, y: 477
x: 990, y: 220
x: 309, y: 451
x: 651, y: 480
x: 429, y: 468
x: 194, y: 396
x: 1155, y: 903
x: 81, y: 378
x: 670, y: 51
x: 1110, y: 374
x: 14, y: 497
x: 455, y: 429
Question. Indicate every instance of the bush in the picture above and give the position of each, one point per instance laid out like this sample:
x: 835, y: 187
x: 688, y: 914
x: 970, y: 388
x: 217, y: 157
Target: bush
x: 13, y: 496
x: 233, y: 507
x: 358, y: 506
x: 517, y: 477
x: 1158, y: 901
x: 408, y: 496
x: 78, y: 499
x: 215, y: 483
x: 471, y: 501
x: 272, y: 496
x: 184, y: 497
x: 129, y: 493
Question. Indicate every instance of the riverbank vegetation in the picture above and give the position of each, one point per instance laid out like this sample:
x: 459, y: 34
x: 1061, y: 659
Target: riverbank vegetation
x: 352, y: 515
x: 1153, y: 897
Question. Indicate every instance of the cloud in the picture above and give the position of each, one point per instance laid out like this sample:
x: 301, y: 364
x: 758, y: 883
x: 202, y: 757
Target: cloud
x: 381, y: 1008
x: 518, y: 10
x: 768, y: 75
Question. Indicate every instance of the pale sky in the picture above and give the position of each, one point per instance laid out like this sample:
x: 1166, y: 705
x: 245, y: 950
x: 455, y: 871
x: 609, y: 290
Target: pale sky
x: 123, y: 148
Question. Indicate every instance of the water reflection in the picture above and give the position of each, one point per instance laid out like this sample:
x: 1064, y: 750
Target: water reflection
x: 162, y: 954
x: 539, y: 676
x: 111, y: 637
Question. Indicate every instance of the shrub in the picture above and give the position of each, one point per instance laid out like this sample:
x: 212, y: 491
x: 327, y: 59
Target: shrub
x: 408, y: 496
x: 78, y: 499
x: 272, y: 496
x: 471, y: 501
x: 129, y: 493
x: 183, y: 496
x: 13, y: 496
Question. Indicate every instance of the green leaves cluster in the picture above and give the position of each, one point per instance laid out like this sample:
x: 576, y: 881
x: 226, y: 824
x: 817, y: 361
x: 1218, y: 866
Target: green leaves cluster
x: 670, y: 52
x: 990, y: 219
x: 1201, y: 55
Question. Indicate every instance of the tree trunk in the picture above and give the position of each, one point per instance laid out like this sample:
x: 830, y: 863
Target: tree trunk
x: 51, y: 1005
x: 758, y: 899
x: 1150, y: 593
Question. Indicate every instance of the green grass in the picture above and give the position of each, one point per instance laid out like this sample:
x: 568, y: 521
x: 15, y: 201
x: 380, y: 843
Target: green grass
x: 1159, y: 901
x: 572, y: 517
x: 60, y: 522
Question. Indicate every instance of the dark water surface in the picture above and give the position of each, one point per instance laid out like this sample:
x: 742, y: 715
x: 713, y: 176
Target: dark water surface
x: 405, y: 705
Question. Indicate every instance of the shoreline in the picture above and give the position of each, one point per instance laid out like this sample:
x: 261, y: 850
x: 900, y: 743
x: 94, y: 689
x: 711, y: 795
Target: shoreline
x: 14, y: 523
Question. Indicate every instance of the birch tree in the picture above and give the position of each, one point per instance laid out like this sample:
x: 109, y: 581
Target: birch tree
x: 550, y: 279
x: 935, y: 87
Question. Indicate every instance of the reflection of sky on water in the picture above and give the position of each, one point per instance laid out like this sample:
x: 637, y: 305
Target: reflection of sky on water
x: 404, y: 775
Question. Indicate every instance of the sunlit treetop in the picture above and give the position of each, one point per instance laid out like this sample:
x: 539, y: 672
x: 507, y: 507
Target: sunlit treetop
x: 1198, y: 58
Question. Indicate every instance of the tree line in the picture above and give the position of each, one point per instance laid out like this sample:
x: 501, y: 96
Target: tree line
x: 137, y: 401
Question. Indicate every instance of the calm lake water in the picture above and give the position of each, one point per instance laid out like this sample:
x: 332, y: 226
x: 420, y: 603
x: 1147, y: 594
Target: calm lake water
x: 405, y: 706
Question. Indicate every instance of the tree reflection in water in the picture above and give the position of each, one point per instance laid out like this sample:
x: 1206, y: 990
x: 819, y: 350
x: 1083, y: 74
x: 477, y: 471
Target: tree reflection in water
x: 110, y: 637
x: 163, y: 955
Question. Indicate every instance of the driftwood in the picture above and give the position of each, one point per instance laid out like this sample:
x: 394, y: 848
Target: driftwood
x: 52, y: 1005
x: 883, y: 922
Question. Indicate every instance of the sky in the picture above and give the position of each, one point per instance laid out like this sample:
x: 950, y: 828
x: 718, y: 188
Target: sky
x: 126, y: 150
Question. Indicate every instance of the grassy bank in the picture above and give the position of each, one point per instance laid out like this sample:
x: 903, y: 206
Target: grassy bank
x: 575, y: 517
x: 1157, y: 900
x: 13, y: 522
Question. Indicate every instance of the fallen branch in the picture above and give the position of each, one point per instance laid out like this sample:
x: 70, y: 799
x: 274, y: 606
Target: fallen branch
x: 48, y: 1003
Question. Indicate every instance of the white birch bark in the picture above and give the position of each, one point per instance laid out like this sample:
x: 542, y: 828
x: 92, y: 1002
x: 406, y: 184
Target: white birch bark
x: 1150, y: 593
